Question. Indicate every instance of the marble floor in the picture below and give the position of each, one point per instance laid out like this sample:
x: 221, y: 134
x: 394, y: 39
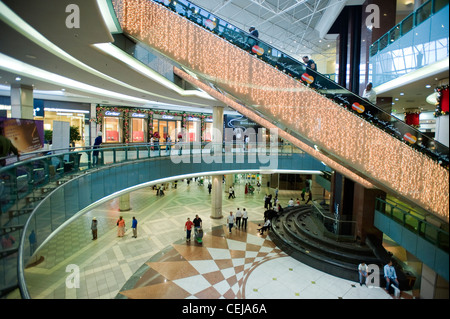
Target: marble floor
x: 159, y: 263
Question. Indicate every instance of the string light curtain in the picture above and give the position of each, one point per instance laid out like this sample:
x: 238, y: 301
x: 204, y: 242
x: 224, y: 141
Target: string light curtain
x: 351, y: 140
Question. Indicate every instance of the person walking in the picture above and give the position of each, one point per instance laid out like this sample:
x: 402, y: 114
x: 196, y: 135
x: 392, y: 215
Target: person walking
x: 120, y: 227
x: 230, y: 221
x: 188, y: 229
x: 197, y: 222
x: 238, y: 218
x: 94, y: 228
x: 309, y: 197
x: 98, y: 141
x: 134, y: 223
x: 303, y: 194
x: 209, y: 187
x: 244, y: 219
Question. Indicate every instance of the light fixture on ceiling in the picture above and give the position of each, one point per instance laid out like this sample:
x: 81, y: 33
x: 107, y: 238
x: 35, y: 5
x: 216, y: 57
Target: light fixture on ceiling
x: 427, y: 86
x: 18, y: 78
x: 401, y: 93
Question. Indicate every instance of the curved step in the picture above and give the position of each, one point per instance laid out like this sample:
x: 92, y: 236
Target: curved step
x: 315, y: 253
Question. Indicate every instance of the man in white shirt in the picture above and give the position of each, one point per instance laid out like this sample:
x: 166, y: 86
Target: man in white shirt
x: 362, y: 270
x: 291, y: 203
x: 230, y: 220
x: 265, y: 227
x: 244, y: 219
x: 238, y: 218
x: 369, y: 94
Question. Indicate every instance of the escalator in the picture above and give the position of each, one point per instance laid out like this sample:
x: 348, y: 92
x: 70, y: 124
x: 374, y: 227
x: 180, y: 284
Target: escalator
x: 348, y: 133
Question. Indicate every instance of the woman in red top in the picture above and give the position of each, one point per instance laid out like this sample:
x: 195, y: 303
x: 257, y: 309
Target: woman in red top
x: 188, y: 228
x: 120, y: 227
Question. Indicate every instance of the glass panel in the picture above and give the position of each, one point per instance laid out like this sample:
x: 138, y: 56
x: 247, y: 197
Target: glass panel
x: 138, y: 130
x: 423, y: 12
x: 407, y: 24
x: 394, y: 34
x: 383, y: 42
x: 439, y: 4
x: 112, y: 130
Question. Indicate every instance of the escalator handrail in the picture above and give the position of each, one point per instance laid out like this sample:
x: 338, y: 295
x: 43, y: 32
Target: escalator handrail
x: 399, y: 129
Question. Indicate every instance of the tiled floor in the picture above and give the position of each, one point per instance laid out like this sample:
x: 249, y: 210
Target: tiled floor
x: 160, y: 264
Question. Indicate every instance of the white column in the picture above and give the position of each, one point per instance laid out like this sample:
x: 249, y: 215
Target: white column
x: 22, y: 102
x: 124, y: 202
x: 442, y: 129
x: 93, y: 125
x: 217, y: 137
x: 216, y: 197
x: 432, y: 286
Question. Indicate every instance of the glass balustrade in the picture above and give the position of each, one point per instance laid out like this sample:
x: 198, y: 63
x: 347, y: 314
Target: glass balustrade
x: 416, y: 222
x: 24, y: 184
x: 423, y: 13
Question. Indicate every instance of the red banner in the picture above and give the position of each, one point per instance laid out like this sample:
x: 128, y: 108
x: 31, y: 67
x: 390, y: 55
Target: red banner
x: 444, y: 100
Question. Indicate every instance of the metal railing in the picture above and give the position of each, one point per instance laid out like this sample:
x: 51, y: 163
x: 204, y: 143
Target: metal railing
x: 332, y: 226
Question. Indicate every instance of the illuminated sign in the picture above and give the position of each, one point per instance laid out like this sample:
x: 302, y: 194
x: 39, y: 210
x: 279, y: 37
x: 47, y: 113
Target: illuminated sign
x: 112, y: 113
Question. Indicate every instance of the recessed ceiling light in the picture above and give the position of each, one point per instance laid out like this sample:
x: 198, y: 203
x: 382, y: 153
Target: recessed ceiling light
x: 427, y: 86
x: 402, y: 93
x: 18, y: 78
x: 396, y: 98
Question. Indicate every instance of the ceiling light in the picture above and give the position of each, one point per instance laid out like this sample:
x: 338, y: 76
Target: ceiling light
x: 427, y: 86
x: 396, y: 98
x: 18, y: 78
x: 402, y: 93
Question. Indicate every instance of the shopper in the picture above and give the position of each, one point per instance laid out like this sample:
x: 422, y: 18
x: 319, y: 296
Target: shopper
x: 97, y: 143
x: 120, y: 227
x: 369, y: 94
x: 265, y: 227
x: 188, y: 229
x: 230, y: 221
x: 362, y: 271
x: 390, y: 275
x: 244, y: 219
x: 134, y: 223
x: 238, y: 218
x: 94, y: 228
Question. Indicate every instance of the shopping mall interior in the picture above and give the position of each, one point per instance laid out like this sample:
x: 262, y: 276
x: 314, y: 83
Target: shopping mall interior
x: 329, y: 127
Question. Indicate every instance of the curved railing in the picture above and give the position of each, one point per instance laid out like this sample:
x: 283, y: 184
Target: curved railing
x: 26, y: 186
x: 285, y: 63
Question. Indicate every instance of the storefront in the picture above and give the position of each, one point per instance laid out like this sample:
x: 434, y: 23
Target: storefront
x: 167, y: 125
x: 112, y: 127
x: 139, y: 127
x: 76, y: 114
x: 133, y: 125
